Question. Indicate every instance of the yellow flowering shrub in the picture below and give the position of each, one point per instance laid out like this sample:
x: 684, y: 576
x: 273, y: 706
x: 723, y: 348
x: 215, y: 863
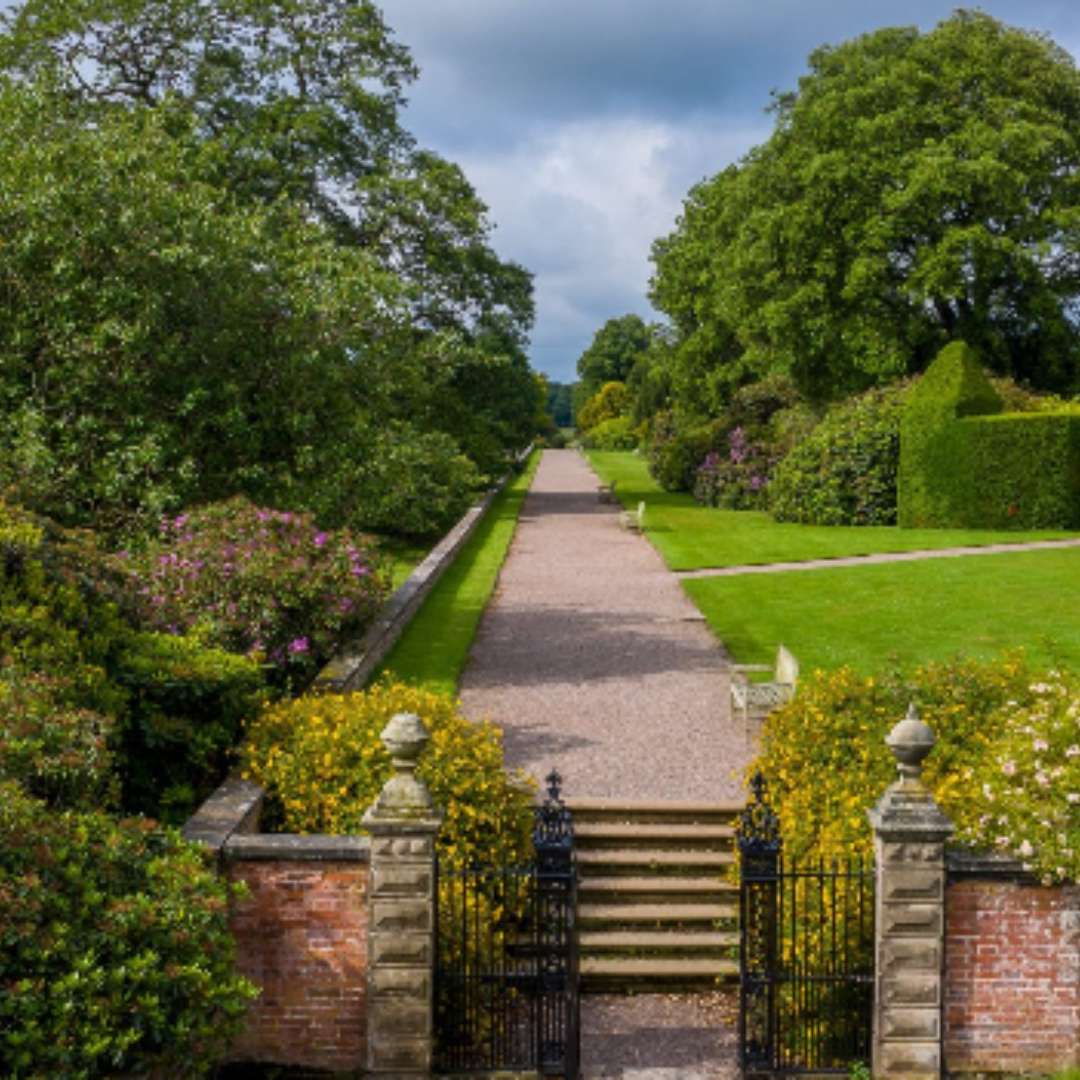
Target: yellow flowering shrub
x: 322, y: 763
x: 826, y: 762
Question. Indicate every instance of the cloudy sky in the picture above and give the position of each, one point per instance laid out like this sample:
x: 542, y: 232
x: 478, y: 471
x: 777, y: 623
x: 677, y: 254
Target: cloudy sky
x: 584, y: 123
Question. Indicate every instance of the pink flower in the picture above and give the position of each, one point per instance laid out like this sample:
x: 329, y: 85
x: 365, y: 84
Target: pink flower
x: 299, y: 646
x: 1009, y: 768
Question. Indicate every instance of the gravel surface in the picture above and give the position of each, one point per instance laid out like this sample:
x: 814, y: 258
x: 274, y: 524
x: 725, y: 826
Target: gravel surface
x: 593, y: 660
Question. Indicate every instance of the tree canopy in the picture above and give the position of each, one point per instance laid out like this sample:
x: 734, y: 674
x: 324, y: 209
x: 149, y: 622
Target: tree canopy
x: 917, y: 188
x: 227, y: 268
x: 615, y: 349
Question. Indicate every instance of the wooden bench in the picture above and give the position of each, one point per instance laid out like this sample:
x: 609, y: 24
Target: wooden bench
x: 605, y: 493
x: 633, y: 520
x: 768, y: 694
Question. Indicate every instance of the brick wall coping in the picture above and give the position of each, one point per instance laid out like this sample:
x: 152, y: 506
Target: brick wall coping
x: 287, y: 847
x: 358, y: 660
x: 970, y: 865
x: 228, y: 824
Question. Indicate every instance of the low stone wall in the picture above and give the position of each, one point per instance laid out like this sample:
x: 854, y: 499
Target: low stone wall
x: 358, y: 661
x: 301, y: 936
x: 1012, y: 971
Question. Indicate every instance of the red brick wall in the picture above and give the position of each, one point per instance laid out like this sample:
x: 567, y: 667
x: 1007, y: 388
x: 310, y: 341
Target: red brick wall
x: 302, y: 938
x: 1012, y: 977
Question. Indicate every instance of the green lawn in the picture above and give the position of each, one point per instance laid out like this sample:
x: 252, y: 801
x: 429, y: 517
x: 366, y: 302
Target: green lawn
x: 868, y: 617
x: 435, y: 645
x: 692, y: 537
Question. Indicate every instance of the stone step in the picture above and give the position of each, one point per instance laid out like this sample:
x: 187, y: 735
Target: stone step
x: 593, y: 834
x: 672, y: 888
x: 654, y: 914
x: 654, y: 859
x: 629, y: 811
x: 672, y: 941
x: 607, y: 973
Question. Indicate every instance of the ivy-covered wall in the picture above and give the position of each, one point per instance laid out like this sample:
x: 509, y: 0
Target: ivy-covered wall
x: 965, y: 464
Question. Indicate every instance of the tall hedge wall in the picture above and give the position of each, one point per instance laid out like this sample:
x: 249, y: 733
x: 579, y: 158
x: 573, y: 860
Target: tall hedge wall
x: 964, y: 464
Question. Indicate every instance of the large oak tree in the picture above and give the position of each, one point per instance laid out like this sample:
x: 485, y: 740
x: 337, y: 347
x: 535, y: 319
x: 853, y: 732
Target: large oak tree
x: 918, y: 187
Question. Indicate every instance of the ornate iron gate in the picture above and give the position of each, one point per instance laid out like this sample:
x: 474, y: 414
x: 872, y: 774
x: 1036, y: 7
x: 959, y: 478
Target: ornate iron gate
x: 807, y: 965
x: 506, y: 987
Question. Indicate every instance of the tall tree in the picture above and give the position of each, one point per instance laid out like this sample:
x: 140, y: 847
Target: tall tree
x: 611, y: 356
x: 918, y: 187
x: 303, y: 100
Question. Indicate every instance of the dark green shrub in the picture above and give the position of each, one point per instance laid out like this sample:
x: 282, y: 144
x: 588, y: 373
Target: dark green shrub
x: 757, y: 403
x: 187, y: 703
x: 845, y: 471
x: 115, y: 952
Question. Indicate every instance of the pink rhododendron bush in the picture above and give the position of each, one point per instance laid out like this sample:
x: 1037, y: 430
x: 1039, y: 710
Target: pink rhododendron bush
x: 259, y: 582
x: 1006, y: 768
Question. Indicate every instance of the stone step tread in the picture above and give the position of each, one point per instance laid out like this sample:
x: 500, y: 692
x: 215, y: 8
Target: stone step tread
x: 655, y: 913
x: 654, y: 886
x: 621, y: 831
x: 611, y: 967
x: 654, y: 857
x: 682, y: 940
x: 632, y: 810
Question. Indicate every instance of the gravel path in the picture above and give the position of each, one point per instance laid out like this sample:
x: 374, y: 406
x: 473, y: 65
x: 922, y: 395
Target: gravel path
x: 593, y: 660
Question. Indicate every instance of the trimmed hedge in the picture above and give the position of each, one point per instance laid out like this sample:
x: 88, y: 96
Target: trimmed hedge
x: 964, y: 464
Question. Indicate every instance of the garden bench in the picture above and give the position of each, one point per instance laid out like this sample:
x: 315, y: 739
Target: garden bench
x: 634, y: 520
x: 747, y: 694
x: 605, y: 493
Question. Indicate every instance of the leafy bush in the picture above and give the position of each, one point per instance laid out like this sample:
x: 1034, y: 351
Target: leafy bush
x: 737, y: 479
x: 59, y: 752
x: 1006, y: 767
x: 610, y: 402
x: 186, y: 706
x: 323, y: 764
x: 616, y: 434
x: 258, y: 582
x: 115, y: 955
x: 675, y: 454
x: 413, y: 484
x: 845, y: 471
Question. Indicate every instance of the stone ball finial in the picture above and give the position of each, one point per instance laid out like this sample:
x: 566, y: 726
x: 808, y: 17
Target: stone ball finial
x: 910, y: 742
x: 405, y: 737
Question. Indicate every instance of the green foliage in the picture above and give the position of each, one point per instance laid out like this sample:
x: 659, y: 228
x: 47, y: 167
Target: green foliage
x: 918, y: 187
x: 616, y: 433
x: 58, y: 752
x: 258, y: 582
x: 186, y: 702
x: 322, y: 763
x: 1006, y: 767
x: 414, y: 484
x: 965, y: 464
x: 675, y: 454
x: 115, y: 955
x: 611, y: 356
x: 609, y: 403
x: 845, y: 471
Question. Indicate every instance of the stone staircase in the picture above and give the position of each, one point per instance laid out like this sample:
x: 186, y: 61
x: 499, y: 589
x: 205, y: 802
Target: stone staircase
x: 657, y: 907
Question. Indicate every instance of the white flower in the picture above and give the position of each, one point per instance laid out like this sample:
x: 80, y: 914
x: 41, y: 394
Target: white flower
x: 1025, y: 849
x: 1009, y: 768
x: 1041, y: 744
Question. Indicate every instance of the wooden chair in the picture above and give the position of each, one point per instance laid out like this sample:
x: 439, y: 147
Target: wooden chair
x: 767, y: 694
x: 605, y: 493
x: 633, y: 520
